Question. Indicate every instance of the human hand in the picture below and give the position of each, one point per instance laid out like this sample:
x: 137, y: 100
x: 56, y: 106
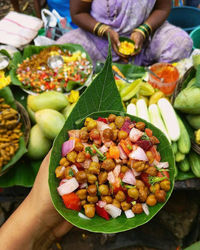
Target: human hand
x: 138, y: 39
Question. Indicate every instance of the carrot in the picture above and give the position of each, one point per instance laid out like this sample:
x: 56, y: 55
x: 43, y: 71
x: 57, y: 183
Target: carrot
x: 114, y: 152
x: 126, y: 146
x: 155, y: 153
x: 149, y: 132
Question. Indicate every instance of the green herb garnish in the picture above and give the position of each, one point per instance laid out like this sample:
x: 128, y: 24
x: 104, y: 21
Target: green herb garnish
x: 145, y: 137
x: 89, y: 150
x: 97, y: 184
x: 154, y: 179
x: 129, y: 186
x: 129, y: 147
x: 100, y: 155
x: 71, y: 173
x: 133, y: 203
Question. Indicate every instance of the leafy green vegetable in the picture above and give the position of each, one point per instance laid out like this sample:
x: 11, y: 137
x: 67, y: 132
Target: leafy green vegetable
x: 89, y: 150
x: 99, y: 100
x: 131, y: 71
x: 145, y: 137
x: 100, y: 155
x: 155, y: 179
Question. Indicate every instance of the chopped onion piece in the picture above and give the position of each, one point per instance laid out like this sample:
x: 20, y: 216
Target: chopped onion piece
x: 111, y: 177
x: 162, y: 165
x: 67, y: 147
x: 74, y: 133
x: 136, y: 173
x: 129, y: 214
x: 122, y: 154
x: 103, y: 149
x: 129, y: 178
x: 74, y: 167
x: 135, y: 134
x: 145, y: 208
x: 101, y: 204
x: 63, y: 181
x: 83, y: 216
x: 138, y: 154
x: 83, y: 185
x: 113, y: 211
x: 101, y: 126
x: 86, y: 163
x: 68, y: 187
x: 95, y: 158
x: 117, y: 170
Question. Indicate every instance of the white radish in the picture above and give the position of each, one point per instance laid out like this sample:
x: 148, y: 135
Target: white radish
x: 156, y: 120
x: 131, y: 109
x: 142, y: 110
x: 170, y: 119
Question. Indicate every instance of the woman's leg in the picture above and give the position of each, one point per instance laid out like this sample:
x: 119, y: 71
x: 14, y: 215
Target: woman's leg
x: 169, y: 44
x: 79, y: 36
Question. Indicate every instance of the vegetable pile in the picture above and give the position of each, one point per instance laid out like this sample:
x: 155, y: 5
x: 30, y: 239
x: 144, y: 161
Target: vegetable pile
x: 112, y: 165
x: 37, y: 76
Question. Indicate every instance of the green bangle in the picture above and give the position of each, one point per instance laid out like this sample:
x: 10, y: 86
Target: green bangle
x: 144, y: 30
x: 147, y: 27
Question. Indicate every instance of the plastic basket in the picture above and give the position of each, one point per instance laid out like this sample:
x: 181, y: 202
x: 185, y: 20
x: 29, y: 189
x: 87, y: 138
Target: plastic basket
x: 195, y: 35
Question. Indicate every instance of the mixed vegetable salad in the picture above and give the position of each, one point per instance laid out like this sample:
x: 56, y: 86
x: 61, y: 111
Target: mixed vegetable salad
x: 112, y: 165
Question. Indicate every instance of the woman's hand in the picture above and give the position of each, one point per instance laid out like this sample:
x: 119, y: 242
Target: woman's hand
x: 138, y: 39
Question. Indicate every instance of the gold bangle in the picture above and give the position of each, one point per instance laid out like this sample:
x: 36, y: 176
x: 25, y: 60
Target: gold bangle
x: 102, y: 30
x: 140, y: 31
x: 95, y: 27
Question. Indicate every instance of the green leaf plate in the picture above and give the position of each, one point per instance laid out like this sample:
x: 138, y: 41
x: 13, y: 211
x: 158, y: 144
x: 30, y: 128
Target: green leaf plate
x: 31, y: 50
x: 100, y: 99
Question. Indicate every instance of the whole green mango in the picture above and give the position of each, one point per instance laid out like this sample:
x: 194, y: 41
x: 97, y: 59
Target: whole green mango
x: 31, y: 114
x: 47, y: 100
x: 66, y: 111
x: 38, y: 145
x: 50, y: 122
x: 194, y: 121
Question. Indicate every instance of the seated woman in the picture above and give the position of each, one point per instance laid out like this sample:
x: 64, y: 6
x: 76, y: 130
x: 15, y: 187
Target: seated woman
x: 143, y: 21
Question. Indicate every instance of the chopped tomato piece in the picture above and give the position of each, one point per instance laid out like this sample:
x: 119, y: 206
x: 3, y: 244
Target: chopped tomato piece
x: 149, y: 132
x: 102, y: 120
x: 79, y: 166
x: 144, y: 144
x: 163, y: 174
x: 72, y: 201
x: 114, y: 152
x: 102, y: 212
x: 145, y: 179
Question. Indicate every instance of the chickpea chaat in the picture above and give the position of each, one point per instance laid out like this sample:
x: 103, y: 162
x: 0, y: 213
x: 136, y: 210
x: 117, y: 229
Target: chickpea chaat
x: 112, y: 165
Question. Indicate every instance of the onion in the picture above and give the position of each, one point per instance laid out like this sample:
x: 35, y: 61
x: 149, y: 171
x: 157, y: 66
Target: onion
x: 68, y: 187
x: 86, y: 163
x: 103, y: 149
x: 129, y: 214
x: 101, y: 204
x: 162, y: 165
x: 73, y: 133
x: 83, y: 216
x: 83, y: 185
x: 135, y: 173
x: 95, y: 158
x: 101, y: 126
x: 74, y: 168
x: 129, y: 178
x: 122, y: 154
x: 111, y: 177
x: 117, y: 170
x: 63, y: 181
x: 135, y: 134
x: 108, y: 144
x: 145, y: 208
x: 113, y: 211
x: 138, y: 154
x: 67, y: 147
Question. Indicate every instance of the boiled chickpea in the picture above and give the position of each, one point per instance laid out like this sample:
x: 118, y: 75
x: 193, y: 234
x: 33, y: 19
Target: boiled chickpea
x: 60, y: 172
x: 112, y: 125
x: 160, y: 195
x: 83, y: 202
x: 137, y: 208
x: 94, y: 168
x: 102, y: 177
x: 124, y: 169
x: 138, y: 166
x: 91, y: 125
x: 152, y: 171
x: 116, y: 203
x: 107, y: 134
x: 133, y: 193
x: 92, y: 199
x: 69, y: 173
x: 139, y: 184
x: 165, y: 185
x: 89, y: 210
x: 122, y: 135
x: 104, y: 189
x: 79, y: 146
x: 115, y: 134
x: 125, y: 205
x: 87, y: 120
x: 108, y: 199
x: 120, y: 196
x: 108, y: 164
x: 119, y: 121
x: 80, y: 157
x: 155, y: 187
x: 91, y: 178
x: 71, y: 156
x: 92, y: 190
x: 82, y: 194
x: 143, y: 194
x: 151, y: 200
x: 150, y: 157
x: 81, y: 176
x: 140, y: 125
x: 94, y: 134
x: 111, y: 118
x: 84, y: 135
x: 64, y: 162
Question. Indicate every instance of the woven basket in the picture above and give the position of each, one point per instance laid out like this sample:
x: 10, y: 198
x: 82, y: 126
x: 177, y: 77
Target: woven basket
x: 177, y: 90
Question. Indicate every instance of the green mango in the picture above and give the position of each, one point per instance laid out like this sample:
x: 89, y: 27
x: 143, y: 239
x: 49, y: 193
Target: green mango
x: 47, y: 100
x: 194, y: 121
x: 191, y: 82
x: 38, y: 145
x: 66, y: 111
x: 31, y: 114
x: 50, y: 122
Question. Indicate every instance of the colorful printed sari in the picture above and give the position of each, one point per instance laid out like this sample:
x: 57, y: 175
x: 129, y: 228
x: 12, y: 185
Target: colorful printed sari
x: 167, y: 44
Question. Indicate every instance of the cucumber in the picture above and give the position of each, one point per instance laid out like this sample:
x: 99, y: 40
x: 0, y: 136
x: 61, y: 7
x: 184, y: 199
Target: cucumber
x: 174, y: 147
x: 194, y: 160
x: 184, y: 176
x: 179, y: 157
x: 184, y: 144
x: 184, y: 165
